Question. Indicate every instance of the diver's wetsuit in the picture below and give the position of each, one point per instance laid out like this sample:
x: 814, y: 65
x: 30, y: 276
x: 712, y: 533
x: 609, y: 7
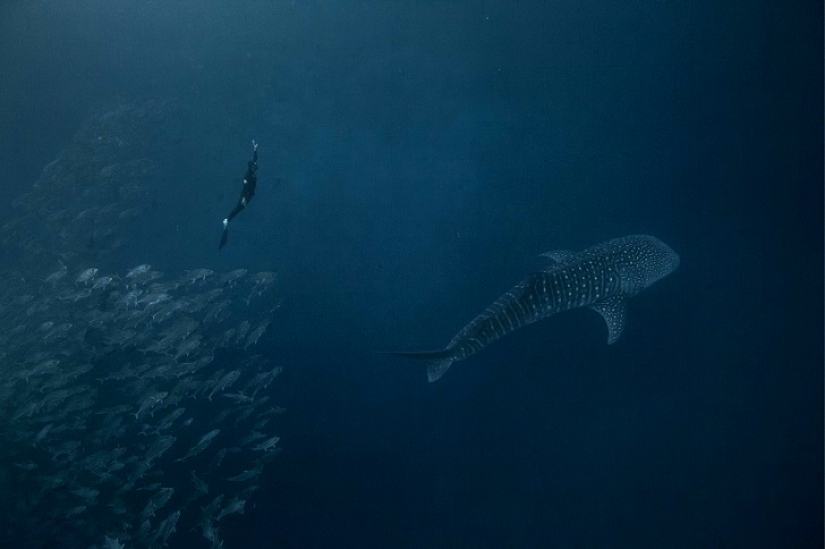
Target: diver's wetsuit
x: 250, y: 180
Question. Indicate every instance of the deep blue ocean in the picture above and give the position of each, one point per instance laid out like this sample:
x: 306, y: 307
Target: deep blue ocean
x: 415, y: 159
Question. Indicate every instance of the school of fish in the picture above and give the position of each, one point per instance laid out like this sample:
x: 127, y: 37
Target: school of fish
x: 134, y: 407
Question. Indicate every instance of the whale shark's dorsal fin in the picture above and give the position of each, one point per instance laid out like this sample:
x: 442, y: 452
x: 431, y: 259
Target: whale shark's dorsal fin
x: 558, y: 258
x: 614, y: 311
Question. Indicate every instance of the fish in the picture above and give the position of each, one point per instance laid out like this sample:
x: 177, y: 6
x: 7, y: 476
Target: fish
x: 140, y: 269
x: 194, y: 275
x: 102, y: 282
x: 85, y: 275
x: 56, y: 275
x: 165, y: 528
x: 231, y: 277
x: 234, y: 506
x: 150, y: 401
x: 150, y: 300
x: 157, y: 501
x: 112, y: 543
x: 247, y: 475
x: 205, y: 441
x: 226, y: 381
x: 601, y: 277
x: 253, y: 337
x: 268, y: 444
x: 200, y: 486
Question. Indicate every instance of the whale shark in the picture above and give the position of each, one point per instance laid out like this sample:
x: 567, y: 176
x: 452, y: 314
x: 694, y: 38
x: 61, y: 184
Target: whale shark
x: 601, y: 277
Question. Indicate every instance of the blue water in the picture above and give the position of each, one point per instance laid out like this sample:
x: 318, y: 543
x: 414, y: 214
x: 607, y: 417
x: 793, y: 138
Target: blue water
x: 415, y: 158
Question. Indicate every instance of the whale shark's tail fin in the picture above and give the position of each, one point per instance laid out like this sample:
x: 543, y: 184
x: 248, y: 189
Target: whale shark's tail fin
x: 437, y: 362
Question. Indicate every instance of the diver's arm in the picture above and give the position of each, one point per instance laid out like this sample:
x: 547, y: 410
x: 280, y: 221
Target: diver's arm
x: 254, y: 152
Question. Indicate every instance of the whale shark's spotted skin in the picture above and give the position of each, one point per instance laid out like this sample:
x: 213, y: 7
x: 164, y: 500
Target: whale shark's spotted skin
x: 601, y: 277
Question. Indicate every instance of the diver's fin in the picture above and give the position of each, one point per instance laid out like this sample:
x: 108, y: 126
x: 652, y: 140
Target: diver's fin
x: 437, y: 362
x: 225, y: 234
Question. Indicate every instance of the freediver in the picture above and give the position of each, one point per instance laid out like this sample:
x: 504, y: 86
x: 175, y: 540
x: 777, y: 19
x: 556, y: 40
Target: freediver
x: 247, y: 192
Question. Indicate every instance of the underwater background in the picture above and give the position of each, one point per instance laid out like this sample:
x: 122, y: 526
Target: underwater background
x: 415, y: 158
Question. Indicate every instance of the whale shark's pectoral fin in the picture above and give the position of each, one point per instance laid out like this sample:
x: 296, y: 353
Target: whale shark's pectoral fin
x: 614, y: 311
x: 558, y: 258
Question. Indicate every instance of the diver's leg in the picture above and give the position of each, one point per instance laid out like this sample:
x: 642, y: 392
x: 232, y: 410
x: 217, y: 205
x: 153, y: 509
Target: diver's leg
x: 235, y: 211
x: 238, y: 209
